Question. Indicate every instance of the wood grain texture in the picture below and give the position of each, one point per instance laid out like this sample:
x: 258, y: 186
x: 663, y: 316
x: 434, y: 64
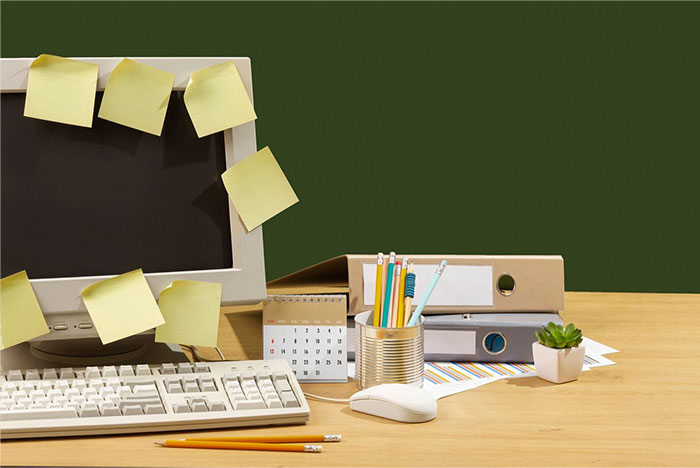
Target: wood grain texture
x: 645, y: 411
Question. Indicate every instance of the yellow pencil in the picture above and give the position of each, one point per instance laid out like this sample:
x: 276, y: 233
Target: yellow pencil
x: 402, y: 292
x: 240, y: 446
x: 274, y: 439
x: 378, y: 291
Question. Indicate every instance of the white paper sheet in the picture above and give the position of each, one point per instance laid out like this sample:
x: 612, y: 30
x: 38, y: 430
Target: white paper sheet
x: 466, y: 285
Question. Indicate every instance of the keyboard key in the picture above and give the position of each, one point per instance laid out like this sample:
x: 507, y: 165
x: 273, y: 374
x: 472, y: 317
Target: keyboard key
x: 61, y: 385
x: 248, y: 404
x: 89, y: 410
x: 154, y: 409
x: 247, y: 375
x: 19, y: 394
x: 113, y: 383
x: 132, y: 410
x: 201, y: 367
x: 279, y: 375
x: 45, y: 386
x: 168, y: 369
x: 274, y: 403
x: 126, y: 371
x: 66, y: 373
x: 31, y: 374
x: 35, y: 394
x: 282, y: 385
x: 110, y: 409
x: 109, y: 371
x: 199, y: 407
x: 174, y: 387
x: 45, y: 413
x: 9, y: 386
x: 181, y: 408
x: 150, y: 388
x: 191, y: 387
x: 49, y: 373
x: 184, y: 368
x: 207, y: 385
x: 14, y: 375
x: 230, y: 377
x: 143, y: 369
x: 26, y: 402
x: 79, y: 384
x: 92, y: 372
x: 217, y: 406
x: 53, y: 393
x: 96, y: 383
x: 288, y: 400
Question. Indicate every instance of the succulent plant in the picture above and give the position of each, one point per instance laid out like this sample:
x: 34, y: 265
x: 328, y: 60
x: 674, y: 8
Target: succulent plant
x: 556, y: 336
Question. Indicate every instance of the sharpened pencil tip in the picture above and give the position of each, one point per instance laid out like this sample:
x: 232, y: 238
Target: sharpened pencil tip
x: 159, y: 443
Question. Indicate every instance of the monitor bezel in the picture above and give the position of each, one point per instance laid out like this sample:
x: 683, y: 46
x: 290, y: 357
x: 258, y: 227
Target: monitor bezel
x: 244, y: 283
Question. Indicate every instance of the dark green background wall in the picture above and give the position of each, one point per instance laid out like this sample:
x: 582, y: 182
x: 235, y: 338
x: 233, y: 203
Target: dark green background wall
x: 508, y: 128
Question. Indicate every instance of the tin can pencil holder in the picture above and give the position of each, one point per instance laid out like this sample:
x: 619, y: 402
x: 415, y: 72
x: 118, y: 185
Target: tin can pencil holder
x: 387, y: 355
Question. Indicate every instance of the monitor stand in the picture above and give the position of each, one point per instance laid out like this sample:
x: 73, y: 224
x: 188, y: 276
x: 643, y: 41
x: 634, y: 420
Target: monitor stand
x: 89, y: 352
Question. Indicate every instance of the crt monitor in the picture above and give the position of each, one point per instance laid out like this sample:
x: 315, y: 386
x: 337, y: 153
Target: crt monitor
x: 79, y: 205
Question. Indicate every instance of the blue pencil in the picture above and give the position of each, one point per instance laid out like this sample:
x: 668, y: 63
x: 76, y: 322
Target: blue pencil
x: 387, y: 296
x: 424, y: 300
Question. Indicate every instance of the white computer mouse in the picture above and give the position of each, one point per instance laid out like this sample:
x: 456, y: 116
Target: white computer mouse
x: 399, y: 402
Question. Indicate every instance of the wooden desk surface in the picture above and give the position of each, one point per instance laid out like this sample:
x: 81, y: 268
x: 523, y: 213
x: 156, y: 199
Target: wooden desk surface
x: 644, y: 411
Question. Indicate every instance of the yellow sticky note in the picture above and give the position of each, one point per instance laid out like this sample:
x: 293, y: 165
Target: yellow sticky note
x: 122, y: 306
x: 258, y: 188
x: 137, y: 96
x: 61, y: 90
x: 191, y: 312
x: 216, y: 99
x: 21, y: 318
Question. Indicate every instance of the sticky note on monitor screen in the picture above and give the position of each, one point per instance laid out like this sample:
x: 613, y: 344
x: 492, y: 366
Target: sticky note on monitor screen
x: 258, y: 188
x: 216, y: 99
x: 191, y: 313
x: 137, y: 96
x: 122, y: 306
x: 21, y: 318
x: 61, y: 90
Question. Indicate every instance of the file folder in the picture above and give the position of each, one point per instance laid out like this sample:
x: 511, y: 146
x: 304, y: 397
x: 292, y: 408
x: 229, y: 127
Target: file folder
x: 469, y: 284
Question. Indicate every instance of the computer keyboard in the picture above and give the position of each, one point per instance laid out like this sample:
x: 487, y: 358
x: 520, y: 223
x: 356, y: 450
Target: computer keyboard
x: 148, y: 398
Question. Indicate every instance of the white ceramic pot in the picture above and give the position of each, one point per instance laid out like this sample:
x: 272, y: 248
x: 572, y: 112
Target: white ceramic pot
x: 558, y: 365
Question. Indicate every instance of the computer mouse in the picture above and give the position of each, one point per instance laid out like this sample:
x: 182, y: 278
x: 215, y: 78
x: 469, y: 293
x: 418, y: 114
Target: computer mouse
x: 399, y: 402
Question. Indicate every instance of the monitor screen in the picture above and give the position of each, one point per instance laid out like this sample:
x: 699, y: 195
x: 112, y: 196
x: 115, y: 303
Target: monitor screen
x: 109, y: 199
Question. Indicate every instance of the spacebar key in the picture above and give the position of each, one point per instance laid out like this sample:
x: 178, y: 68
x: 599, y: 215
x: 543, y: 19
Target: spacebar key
x: 47, y: 413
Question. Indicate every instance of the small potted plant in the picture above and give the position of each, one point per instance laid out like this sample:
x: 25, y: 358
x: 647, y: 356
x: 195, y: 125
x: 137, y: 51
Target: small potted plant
x: 557, y: 354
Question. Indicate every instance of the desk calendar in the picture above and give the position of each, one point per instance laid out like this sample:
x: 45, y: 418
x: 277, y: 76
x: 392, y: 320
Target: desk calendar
x: 310, y: 332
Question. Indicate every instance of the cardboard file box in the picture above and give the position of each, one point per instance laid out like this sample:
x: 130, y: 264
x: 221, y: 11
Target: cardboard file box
x: 468, y: 285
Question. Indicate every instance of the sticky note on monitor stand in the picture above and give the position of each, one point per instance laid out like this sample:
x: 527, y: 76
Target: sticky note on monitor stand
x: 258, y: 188
x: 122, y: 306
x: 61, y: 90
x: 191, y: 312
x: 216, y: 99
x: 21, y: 318
x: 137, y: 96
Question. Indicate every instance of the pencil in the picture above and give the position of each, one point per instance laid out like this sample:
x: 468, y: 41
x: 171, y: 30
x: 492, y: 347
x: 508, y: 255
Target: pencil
x: 275, y: 439
x: 424, y: 300
x: 378, y: 291
x: 240, y: 446
x: 402, y: 293
x: 410, y: 292
x: 395, y: 295
x: 387, y: 295
x: 381, y: 303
